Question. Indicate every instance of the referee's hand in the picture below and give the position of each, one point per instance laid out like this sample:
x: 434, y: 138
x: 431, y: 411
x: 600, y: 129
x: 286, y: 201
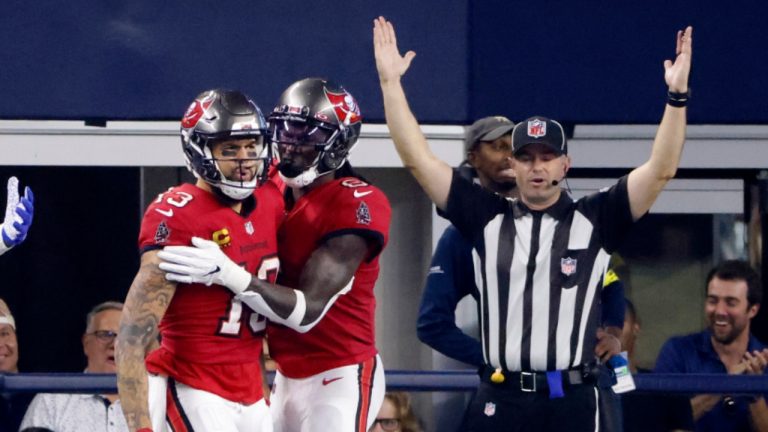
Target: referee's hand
x: 607, y: 346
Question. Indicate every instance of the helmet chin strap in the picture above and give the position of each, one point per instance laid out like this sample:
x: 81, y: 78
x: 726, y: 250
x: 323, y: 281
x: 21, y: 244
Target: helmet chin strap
x: 306, y: 177
x: 236, y: 193
x: 231, y: 189
x: 302, y: 180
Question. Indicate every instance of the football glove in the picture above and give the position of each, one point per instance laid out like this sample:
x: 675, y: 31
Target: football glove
x: 204, y: 263
x: 18, y: 216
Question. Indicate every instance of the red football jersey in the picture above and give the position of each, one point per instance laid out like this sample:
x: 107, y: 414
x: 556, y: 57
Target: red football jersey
x: 209, y: 340
x: 346, y: 334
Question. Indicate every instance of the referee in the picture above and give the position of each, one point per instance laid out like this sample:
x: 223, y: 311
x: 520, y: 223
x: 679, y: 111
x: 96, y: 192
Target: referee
x: 540, y: 259
x: 488, y: 148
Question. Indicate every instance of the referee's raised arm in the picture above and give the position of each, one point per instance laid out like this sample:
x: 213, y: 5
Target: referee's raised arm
x: 433, y: 175
x: 646, y: 181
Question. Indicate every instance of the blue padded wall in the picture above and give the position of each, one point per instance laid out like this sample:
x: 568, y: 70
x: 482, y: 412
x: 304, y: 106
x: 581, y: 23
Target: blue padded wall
x: 581, y: 62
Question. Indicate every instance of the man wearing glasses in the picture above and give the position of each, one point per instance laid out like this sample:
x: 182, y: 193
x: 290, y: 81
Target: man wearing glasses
x: 85, y: 412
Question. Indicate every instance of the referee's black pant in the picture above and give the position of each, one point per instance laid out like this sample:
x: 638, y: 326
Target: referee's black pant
x: 512, y: 407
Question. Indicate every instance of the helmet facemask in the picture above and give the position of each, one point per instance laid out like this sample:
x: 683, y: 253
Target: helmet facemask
x: 255, y: 163
x: 303, y: 148
x: 314, y: 127
x: 221, y: 116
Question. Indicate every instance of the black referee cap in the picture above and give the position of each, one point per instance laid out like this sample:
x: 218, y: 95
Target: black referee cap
x: 539, y: 130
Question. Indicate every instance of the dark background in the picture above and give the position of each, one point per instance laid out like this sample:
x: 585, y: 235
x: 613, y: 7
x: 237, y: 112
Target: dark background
x: 579, y: 62
x: 82, y: 252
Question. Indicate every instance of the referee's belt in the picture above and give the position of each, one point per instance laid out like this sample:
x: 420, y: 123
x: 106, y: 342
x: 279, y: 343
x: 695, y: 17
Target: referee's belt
x: 530, y: 381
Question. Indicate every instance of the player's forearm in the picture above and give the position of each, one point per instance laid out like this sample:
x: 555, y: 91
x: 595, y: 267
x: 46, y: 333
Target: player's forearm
x: 432, y: 174
x: 147, y: 300
x: 702, y: 404
x: 276, y: 302
x: 132, y: 387
x: 131, y: 348
x: 327, y: 274
x: 290, y: 307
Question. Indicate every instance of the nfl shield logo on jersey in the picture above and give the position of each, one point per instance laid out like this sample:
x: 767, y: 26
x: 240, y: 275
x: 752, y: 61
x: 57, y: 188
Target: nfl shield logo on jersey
x: 363, y: 214
x: 537, y: 128
x: 249, y: 227
x: 568, y: 266
x: 490, y: 409
x: 162, y: 233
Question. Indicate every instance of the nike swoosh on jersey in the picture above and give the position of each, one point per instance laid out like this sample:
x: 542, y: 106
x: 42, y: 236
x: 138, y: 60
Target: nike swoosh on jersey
x: 168, y: 212
x: 358, y: 194
x: 327, y: 381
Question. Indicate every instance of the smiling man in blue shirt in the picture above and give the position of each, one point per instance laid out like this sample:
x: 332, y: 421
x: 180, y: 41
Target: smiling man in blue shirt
x: 734, y: 294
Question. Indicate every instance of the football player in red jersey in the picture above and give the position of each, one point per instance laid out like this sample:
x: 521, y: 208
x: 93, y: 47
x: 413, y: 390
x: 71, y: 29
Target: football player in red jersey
x: 330, y: 377
x: 206, y: 373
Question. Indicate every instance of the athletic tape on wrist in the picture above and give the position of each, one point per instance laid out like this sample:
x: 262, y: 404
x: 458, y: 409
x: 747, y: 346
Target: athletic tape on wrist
x: 297, y: 316
x: 256, y: 302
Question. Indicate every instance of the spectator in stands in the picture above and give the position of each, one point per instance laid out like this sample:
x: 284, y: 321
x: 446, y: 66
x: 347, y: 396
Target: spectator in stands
x: 12, y: 405
x: 734, y: 294
x: 85, y: 412
x: 396, y: 415
x: 649, y: 412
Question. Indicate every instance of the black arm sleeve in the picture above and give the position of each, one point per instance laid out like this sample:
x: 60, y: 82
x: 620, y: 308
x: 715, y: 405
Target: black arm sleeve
x: 470, y: 206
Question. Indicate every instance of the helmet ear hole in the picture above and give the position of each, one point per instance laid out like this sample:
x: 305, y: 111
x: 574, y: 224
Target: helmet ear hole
x: 334, y: 157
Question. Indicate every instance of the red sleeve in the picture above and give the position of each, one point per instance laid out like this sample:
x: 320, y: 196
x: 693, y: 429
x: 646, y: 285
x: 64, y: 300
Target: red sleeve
x: 165, y: 224
x: 362, y: 210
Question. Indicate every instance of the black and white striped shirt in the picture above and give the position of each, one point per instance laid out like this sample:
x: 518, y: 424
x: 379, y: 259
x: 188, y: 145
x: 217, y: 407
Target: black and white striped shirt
x: 539, y: 273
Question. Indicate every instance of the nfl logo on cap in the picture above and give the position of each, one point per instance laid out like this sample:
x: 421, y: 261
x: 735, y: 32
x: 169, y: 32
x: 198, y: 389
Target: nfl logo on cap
x: 537, y: 128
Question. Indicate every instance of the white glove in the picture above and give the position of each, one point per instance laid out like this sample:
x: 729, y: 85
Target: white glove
x: 205, y: 263
x: 18, y: 216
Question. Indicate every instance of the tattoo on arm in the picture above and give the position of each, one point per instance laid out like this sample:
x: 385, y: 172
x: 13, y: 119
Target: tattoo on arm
x: 146, y: 303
